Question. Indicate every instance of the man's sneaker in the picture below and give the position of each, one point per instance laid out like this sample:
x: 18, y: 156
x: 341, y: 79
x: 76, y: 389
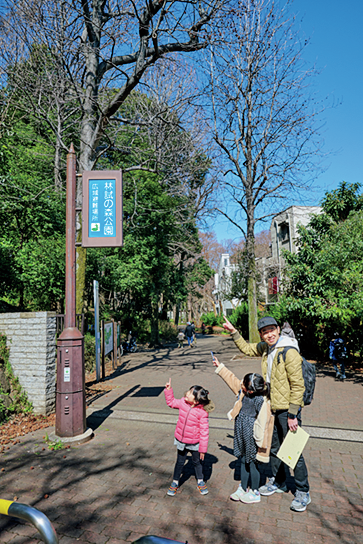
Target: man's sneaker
x: 236, y: 496
x: 250, y: 497
x: 172, y: 489
x: 271, y: 487
x: 202, y: 486
x: 300, y: 501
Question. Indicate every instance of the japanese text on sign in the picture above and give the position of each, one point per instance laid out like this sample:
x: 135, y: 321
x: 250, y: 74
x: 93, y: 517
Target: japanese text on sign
x: 102, y: 208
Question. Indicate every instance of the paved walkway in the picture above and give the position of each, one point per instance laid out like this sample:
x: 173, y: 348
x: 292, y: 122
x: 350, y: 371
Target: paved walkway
x: 113, y: 489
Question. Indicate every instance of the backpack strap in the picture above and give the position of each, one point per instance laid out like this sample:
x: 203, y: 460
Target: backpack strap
x: 283, y: 353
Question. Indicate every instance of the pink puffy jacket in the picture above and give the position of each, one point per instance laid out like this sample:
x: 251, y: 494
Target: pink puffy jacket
x: 193, y: 424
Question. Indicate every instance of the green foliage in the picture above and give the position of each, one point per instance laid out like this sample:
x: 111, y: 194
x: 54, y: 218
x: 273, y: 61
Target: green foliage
x: 211, y: 320
x: 89, y: 352
x: 159, y: 263
x: 19, y: 400
x: 239, y: 318
x: 339, y: 203
x: 168, y: 331
x: 53, y: 444
x: 323, y: 292
x: 145, y: 270
x: 32, y: 213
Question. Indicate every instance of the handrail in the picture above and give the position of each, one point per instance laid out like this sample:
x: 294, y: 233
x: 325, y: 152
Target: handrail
x: 34, y: 516
x: 156, y: 540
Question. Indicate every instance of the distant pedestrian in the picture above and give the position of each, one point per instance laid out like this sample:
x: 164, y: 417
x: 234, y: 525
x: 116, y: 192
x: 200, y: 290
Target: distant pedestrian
x: 189, y: 333
x: 337, y: 354
x: 191, y: 433
x: 194, y: 335
x: 180, y: 339
x: 253, y: 428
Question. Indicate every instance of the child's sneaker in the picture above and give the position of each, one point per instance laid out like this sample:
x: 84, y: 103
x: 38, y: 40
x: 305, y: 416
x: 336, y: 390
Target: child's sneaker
x: 300, y: 501
x: 172, y: 489
x: 236, y: 496
x: 251, y: 496
x: 202, y: 486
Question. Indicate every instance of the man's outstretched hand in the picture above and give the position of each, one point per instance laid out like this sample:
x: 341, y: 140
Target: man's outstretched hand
x: 228, y: 325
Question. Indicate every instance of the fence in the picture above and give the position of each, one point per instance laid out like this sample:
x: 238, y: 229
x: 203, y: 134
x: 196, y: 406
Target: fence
x: 80, y: 323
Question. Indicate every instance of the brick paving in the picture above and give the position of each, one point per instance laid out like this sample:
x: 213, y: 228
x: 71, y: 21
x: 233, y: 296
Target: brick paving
x: 113, y: 489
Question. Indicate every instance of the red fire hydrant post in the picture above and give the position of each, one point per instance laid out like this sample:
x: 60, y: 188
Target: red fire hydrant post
x: 70, y: 398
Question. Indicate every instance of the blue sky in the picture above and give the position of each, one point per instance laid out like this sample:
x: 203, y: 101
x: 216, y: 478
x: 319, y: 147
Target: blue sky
x: 336, y: 48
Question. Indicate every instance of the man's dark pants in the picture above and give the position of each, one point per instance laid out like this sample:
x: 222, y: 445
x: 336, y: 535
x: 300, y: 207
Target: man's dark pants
x: 278, y: 468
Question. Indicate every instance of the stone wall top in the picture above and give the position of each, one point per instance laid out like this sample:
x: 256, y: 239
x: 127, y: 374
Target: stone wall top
x: 26, y: 315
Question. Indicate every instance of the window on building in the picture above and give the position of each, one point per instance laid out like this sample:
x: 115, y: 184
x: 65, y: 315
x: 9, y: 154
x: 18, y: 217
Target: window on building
x: 273, y: 286
x: 284, y: 231
x: 225, y: 262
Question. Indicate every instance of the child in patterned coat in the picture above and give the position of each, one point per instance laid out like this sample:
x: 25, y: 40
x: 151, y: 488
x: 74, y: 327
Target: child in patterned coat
x: 253, y: 428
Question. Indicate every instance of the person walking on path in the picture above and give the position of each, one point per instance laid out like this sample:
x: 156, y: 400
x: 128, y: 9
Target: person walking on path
x: 191, y: 433
x: 253, y: 428
x: 189, y: 333
x: 286, y: 396
x: 337, y: 354
x: 180, y: 339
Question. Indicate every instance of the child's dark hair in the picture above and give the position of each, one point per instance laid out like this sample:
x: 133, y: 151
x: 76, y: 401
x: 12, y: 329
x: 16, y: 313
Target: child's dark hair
x: 256, y: 384
x: 200, y: 394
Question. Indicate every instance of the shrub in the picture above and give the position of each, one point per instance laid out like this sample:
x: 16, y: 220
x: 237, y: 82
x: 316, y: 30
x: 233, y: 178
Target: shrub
x: 89, y: 352
x: 239, y: 318
x: 212, y: 320
x: 19, y: 399
x: 168, y: 331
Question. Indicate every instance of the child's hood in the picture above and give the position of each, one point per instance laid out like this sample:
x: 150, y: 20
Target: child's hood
x: 209, y: 407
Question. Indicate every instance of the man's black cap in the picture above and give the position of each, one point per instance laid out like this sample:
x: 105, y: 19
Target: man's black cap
x: 266, y: 321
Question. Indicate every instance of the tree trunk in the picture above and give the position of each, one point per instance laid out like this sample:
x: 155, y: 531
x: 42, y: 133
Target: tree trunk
x: 154, y: 337
x: 176, y: 315
x: 251, y: 288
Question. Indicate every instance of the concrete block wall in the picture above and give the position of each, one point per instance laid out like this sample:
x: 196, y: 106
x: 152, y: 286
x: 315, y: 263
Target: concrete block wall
x: 31, y: 337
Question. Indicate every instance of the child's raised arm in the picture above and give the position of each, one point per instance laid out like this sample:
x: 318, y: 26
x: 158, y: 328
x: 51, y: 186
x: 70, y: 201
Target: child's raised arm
x: 215, y: 361
x: 231, y: 380
x: 168, y: 384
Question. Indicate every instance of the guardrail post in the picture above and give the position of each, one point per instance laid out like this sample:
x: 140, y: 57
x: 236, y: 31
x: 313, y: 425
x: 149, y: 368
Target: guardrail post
x: 34, y: 516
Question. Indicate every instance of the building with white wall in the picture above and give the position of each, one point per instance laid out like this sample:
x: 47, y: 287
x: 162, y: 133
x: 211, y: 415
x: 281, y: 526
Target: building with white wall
x: 222, y: 281
x: 284, y: 235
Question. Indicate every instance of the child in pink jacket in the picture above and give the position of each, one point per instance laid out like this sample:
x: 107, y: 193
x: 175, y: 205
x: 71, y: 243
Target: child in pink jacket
x: 191, y: 433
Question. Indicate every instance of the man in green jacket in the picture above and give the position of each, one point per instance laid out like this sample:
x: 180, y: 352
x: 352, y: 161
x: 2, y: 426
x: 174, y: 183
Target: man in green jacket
x: 286, y: 394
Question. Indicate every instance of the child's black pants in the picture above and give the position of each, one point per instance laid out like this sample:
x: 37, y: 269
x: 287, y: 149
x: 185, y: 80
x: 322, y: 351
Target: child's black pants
x: 249, y: 470
x: 181, y: 458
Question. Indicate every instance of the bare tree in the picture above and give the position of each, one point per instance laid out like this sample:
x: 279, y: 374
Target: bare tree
x: 264, y: 120
x: 76, y: 62
x: 102, y: 45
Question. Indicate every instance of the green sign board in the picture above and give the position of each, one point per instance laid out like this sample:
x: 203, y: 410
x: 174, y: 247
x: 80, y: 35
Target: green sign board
x: 102, y: 209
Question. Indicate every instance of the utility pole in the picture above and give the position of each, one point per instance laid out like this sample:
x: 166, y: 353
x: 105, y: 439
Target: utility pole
x: 70, y: 399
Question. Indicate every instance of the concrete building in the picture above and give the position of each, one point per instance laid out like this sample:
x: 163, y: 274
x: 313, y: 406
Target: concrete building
x: 283, y: 228
x: 284, y: 235
x: 222, y: 281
